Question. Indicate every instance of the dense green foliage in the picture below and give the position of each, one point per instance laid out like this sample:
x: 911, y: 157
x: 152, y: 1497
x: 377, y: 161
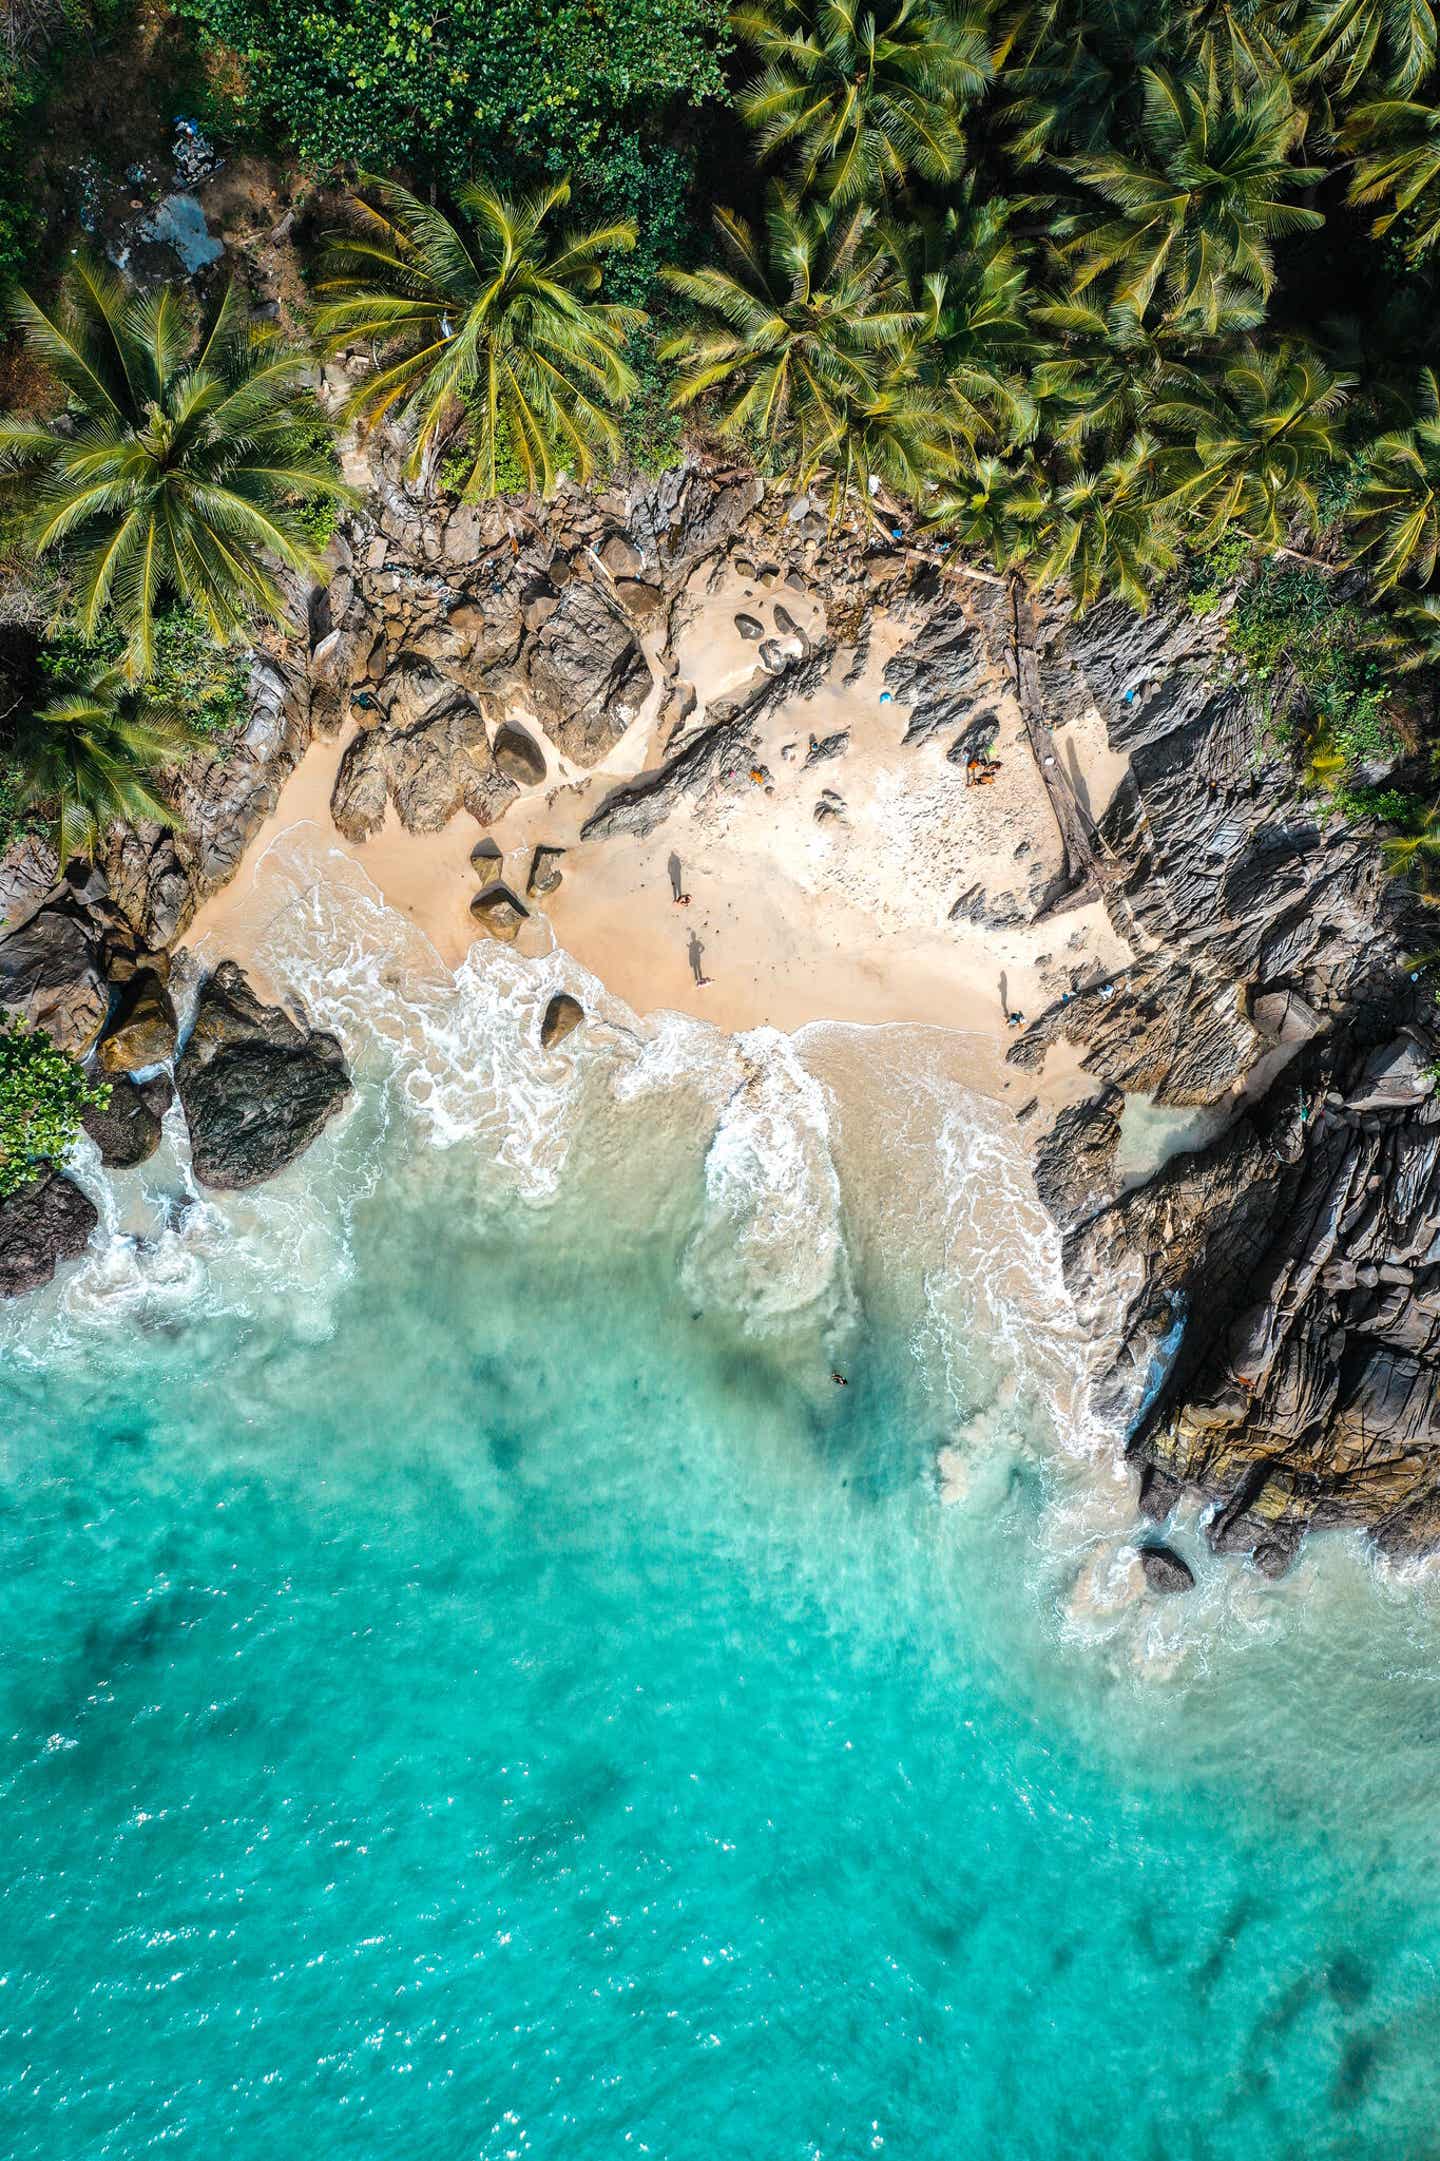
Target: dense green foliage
x: 177, y: 473
x: 495, y: 331
x: 393, y: 82
x: 189, y: 674
x: 42, y: 1096
x: 95, y: 751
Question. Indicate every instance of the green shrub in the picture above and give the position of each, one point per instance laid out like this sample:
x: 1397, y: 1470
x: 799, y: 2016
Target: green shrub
x: 393, y: 82
x: 42, y: 1094
x: 1317, y: 656
x: 653, y: 433
x: 1210, y: 572
x: 1390, y: 806
x: 208, y: 681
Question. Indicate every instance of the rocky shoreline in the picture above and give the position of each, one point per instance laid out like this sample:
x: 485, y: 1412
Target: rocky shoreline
x: 1264, y: 1309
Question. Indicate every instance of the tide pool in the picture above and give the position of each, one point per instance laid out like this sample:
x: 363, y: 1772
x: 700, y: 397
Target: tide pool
x: 472, y: 1685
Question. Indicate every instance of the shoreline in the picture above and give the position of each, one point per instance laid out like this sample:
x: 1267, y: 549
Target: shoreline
x: 835, y: 891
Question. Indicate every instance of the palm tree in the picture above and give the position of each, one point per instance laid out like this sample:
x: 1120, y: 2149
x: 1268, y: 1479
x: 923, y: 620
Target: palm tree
x: 1392, y: 42
x: 499, y: 325
x: 92, y: 754
x: 178, y: 468
x: 1417, y: 854
x: 863, y: 93
x: 1196, y: 211
x: 1102, y: 532
x: 1410, y: 634
x: 1245, y: 44
x: 1250, y: 443
x: 813, y: 344
x: 1069, y: 72
x: 974, y: 284
x: 1104, y: 366
x: 1397, y: 146
x: 1397, y: 513
x: 992, y: 509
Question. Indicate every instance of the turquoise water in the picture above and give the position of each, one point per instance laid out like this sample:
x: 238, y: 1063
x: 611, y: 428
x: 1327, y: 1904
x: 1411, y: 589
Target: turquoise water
x: 473, y: 1686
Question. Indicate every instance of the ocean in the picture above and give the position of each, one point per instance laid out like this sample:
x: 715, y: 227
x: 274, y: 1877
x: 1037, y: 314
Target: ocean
x: 473, y: 1684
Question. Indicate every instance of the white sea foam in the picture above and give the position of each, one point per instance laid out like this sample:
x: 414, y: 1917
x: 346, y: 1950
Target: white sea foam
x: 771, y: 1243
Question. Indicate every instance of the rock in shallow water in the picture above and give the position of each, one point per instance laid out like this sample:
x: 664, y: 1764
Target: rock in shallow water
x: 47, y: 1223
x: 562, y: 1017
x: 127, y: 1130
x: 256, y: 1084
x: 1165, y: 1571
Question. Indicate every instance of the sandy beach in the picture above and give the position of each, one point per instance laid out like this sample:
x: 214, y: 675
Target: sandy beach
x: 822, y: 891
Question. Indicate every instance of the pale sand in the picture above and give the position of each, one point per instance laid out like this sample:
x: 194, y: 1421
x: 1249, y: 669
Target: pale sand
x: 797, y: 921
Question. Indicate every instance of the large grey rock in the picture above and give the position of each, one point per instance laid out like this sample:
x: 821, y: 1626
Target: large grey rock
x: 1166, y: 1571
x: 257, y: 1084
x: 50, y: 963
x: 586, y: 674
x: 127, y: 1129
x: 41, y: 1226
x: 429, y: 754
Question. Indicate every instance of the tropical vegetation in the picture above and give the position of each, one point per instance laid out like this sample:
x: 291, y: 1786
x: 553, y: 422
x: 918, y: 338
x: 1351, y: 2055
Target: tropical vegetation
x: 1117, y: 294
x: 43, y: 1095
x: 495, y: 330
x: 177, y: 469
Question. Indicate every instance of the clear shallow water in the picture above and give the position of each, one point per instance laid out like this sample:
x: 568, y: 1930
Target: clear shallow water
x: 473, y: 1686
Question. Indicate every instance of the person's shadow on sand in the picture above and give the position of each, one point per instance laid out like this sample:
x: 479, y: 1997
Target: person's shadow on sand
x: 677, y: 886
x: 696, y: 955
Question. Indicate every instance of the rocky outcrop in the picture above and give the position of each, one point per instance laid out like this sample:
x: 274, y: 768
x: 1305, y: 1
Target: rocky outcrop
x: 142, y: 1030
x: 41, y: 1226
x: 1166, y: 1571
x: 51, y: 972
x: 127, y: 1129
x: 428, y: 752
x: 586, y: 675
x: 1265, y: 1311
x: 256, y: 1083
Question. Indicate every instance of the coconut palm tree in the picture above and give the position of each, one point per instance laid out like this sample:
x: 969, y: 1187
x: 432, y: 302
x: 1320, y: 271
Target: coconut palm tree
x: 1391, y: 43
x: 1416, y: 854
x: 498, y: 325
x: 992, y: 507
x: 863, y: 93
x: 813, y: 345
x: 1068, y: 73
x: 975, y: 285
x: 1250, y: 442
x: 178, y: 468
x: 1103, y: 367
x: 1102, y: 532
x: 1195, y: 211
x: 1244, y: 44
x: 1397, y: 159
x: 1396, y: 517
x: 92, y: 755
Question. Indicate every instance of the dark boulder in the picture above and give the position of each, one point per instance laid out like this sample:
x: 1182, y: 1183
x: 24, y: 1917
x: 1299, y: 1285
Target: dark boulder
x: 257, y: 1084
x: 50, y: 971
x: 562, y: 1017
x: 127, y: 1130
x: 46, y: 1223
x: 1165, y: 1571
